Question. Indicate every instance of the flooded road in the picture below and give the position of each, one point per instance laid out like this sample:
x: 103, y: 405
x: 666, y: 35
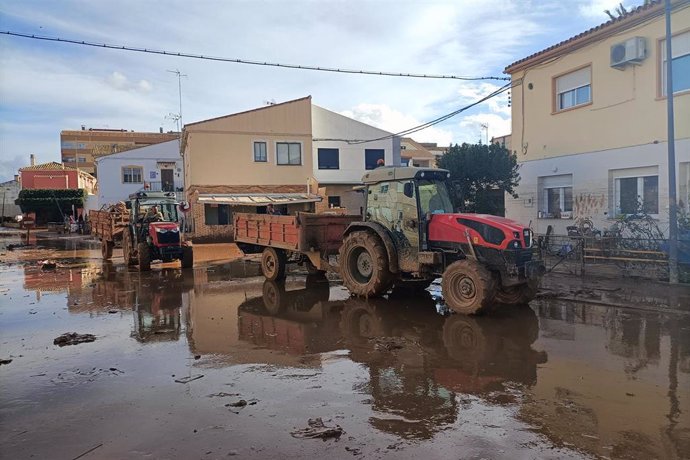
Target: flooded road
x: 216, y: 362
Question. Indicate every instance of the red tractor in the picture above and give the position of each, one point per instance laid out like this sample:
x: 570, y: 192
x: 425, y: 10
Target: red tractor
x: 410, y: 236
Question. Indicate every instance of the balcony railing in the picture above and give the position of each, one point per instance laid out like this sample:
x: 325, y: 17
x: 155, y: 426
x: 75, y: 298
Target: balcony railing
x: 161, y: 187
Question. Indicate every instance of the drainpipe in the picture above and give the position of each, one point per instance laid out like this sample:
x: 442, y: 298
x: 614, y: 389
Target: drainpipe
x: 672, y: 215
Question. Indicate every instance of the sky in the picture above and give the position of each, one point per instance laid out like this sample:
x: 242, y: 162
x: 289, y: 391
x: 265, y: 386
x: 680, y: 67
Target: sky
x: 46, y: 87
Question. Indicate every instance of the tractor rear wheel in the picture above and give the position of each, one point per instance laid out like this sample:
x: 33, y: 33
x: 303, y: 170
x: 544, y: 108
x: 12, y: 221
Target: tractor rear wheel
x: 364, y: 265
x: 468, y: 287
x: 273, y: 262
x: 187, y: 260
x: 144, y: 257
x: 127, y: 248
x: 107, y: 249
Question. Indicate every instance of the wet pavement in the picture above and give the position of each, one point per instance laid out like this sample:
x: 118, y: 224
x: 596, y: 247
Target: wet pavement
x: 215, y: 362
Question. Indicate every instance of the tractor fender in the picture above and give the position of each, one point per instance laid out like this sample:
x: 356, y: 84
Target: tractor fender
x: 382, y: 233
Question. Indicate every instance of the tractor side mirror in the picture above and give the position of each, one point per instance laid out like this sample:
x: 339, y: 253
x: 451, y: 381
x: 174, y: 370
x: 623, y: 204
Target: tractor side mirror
x: 128, y: 204
x: 408, y: 190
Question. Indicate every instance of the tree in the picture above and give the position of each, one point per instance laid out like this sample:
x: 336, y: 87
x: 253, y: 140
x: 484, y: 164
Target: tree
x: 480, y: 175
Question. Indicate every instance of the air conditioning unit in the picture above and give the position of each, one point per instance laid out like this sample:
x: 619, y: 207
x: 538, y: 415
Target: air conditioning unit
x: 631, y: 51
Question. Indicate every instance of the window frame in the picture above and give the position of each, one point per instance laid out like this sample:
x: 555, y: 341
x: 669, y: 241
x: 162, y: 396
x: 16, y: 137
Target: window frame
x: 132, y: 168
x: 217, y: 206
x: 640, y: 193
x: 661, y: 67
x: 329, y: 150
x: 375, y: 165
x: 555, y: 95
x: 301, y: 150
x: 265, y: 143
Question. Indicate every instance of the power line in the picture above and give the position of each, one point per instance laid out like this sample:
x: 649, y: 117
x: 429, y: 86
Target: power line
x: 249, y: 62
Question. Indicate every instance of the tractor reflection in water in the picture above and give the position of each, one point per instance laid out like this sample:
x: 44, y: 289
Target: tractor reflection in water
x: 419, y: 362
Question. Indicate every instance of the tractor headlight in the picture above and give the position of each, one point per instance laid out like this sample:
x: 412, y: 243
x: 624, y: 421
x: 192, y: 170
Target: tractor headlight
x: 515, y: 244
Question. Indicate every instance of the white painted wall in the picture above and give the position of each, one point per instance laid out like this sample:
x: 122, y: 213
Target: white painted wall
x: 111, y: 189
x: 9, y: 191
x: 593, y: 183
x: 327, y: 126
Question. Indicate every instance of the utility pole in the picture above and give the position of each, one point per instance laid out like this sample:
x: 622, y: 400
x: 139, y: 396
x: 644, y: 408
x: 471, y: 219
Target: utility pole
x: 485, y: 127
x: 672, y: 202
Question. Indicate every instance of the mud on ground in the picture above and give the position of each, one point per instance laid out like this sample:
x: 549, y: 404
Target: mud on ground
x: 215, y: 362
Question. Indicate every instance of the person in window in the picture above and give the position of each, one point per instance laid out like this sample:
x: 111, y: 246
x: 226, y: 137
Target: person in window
x: 380, y: 163
x: 153, y: 214
x: 271, y: 210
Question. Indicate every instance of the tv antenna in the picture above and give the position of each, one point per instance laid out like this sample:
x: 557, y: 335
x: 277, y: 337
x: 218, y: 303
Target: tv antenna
x: 179, y: 90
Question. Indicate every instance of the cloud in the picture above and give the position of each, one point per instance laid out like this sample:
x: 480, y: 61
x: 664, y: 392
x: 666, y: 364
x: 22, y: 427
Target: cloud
x: 595, y: 8
x: 389, y: 119
x: 120, y: 82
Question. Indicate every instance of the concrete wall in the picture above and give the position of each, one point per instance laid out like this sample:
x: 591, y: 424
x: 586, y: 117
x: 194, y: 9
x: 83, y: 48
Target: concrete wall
x: 49, y: 179
x: 220, y: 151
x: 626, y: 110
x: 328, y: 127
x: 10, y: 192
x: 151, y: 159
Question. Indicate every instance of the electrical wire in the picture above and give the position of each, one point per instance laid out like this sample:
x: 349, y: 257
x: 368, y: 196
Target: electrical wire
x: 248, y: 61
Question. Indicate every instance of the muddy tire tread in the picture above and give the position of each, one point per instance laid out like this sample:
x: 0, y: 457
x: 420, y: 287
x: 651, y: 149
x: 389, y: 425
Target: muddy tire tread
x: 381, y: 278
x: 484, y: 282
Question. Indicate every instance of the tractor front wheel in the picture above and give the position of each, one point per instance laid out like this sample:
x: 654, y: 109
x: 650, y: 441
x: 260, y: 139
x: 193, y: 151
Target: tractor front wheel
x: 517, y: 295
x: 144, y: 257
x: 468, y: 287
x: 364, y: 265
x: 273, y: 262
x: 127, y: 248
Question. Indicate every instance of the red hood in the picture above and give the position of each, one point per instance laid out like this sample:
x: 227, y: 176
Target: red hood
x: 164, y: 225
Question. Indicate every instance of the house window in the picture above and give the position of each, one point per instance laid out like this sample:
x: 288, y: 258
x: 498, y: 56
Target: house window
x: 404, y: 162
x: 573, y: 89
x: 329, y: 158
x: 217, y: 214
x: 372, y: 157
x: 680, y: 55
x: 260, y: 152
x: 132, y: 174
x: 635, y: 194
x: 556, y: 196
x: 333, y: 201
x: 289, y: 153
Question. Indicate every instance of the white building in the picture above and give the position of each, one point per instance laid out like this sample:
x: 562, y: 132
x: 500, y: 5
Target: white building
x: 156, y: 167
x: 10, y: 192
x: 340, y: 159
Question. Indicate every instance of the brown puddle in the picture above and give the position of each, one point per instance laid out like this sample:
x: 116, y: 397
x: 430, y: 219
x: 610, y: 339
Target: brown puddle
x: 555, y: 380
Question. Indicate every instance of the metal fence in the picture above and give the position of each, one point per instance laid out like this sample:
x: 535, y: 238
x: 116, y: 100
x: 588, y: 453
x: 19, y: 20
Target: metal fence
x: 611, y: 256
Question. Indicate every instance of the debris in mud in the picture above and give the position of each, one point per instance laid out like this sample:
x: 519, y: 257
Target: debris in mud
x: 72, y: 338
x: 5, y: 361
x: 240, y: 403
x: 12, y: 247
x: 112, y: 312
x: 222, y: 394
x: 191, y: 378
x: 317, y: 429
x: 388, y: 344
x: 48, y: 265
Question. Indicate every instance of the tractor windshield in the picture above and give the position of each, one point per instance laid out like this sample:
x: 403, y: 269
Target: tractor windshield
x: 433, y: 197
x: 168, y: 210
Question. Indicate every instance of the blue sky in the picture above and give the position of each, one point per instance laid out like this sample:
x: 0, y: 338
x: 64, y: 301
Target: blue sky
x: 47, y: 87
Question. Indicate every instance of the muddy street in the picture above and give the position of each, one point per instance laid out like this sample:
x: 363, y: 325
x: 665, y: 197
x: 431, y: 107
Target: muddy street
x: 215, y: 361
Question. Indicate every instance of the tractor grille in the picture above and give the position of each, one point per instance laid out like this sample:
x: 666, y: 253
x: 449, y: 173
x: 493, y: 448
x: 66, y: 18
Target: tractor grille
x: 518, y: 257
x: 168, y: 237
x: 528, y: 237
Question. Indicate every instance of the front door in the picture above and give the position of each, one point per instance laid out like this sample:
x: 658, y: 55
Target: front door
x: 167, y: 180
x: 394, y: 205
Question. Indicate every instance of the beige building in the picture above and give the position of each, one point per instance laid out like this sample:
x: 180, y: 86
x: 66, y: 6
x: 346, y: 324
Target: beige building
x: 79, y: 148
x: 589, y: 122
x: 413, y: 153
x: 295, y: 156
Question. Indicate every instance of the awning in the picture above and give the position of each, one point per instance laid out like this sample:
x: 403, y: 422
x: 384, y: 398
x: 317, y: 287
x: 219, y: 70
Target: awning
x: 258, y: 199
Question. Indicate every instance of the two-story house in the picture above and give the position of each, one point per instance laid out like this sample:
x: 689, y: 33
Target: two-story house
x: 156, y: 167
x: 589, y: 122
x: 291, y: 155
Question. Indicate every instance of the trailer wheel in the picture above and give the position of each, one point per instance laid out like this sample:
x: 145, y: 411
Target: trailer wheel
x: 517, y: 295
x: 144, y: 257
x: 273, y: 263
x: 127, y: 248
x: 107, y: 249
x: 187, y: 260
x: 364, y: 265
x: 273, y: 295
x: 468, y: 287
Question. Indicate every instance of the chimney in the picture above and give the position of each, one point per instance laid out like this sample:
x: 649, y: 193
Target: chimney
x: 83, y: 127
x: 16, y: 177
x: 161, y: 130
x: 32, y: 159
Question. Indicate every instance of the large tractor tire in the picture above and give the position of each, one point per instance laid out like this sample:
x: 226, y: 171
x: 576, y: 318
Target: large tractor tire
x: 144, y: 257
x: 187, y: 260
x: 517, y: 295
x: 468, y: 287
x: 273, y: 263
x: 107, y: 249
x: 364, y: 265
x: 127, y: 251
